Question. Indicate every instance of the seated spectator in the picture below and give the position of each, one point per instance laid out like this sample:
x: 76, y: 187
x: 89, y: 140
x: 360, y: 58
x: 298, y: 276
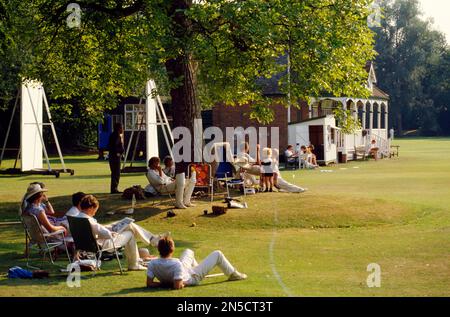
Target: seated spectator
x: 169, y: 167
x: 290, y: 155
x: 185, y: 271
x: 76, y: 200
x: 374, y: 149
x: 311, y: 157
x: 127, y: 238
x: 36, y: 204
x: 164, y: 184
x: 49, y: 211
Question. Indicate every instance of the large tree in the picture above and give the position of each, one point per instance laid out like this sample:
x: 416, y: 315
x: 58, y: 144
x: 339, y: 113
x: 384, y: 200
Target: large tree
x: 410, y: 66
x: 201, y: 53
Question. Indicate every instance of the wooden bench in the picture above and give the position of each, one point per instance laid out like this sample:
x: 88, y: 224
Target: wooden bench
x: 360, y: 152
x: 394, y: 151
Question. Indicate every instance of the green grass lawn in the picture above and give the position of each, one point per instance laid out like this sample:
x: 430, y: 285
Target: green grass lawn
x: 393, y: 212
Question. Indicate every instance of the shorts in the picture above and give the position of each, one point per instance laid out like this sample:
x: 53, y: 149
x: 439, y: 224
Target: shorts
x: 267, y: 174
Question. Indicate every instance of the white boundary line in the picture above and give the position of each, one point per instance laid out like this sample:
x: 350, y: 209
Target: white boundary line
x: 286, y: 290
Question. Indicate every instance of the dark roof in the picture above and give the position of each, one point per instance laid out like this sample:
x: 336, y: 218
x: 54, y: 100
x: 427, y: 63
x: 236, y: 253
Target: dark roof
x: 378, y: 93
x: 270, y: 86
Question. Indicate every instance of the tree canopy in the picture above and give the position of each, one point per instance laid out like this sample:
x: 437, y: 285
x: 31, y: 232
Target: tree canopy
x: 413, y: 66
x: 200, y: 53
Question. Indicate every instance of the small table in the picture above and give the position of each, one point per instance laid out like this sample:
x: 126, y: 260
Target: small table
x: 394, y: 150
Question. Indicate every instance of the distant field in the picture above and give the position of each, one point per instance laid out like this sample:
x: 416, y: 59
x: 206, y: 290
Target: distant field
x: 395, y: 213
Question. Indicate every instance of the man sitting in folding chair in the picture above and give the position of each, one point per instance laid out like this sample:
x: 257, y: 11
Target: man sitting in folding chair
x: 164, y: 184
x: 109, y: 239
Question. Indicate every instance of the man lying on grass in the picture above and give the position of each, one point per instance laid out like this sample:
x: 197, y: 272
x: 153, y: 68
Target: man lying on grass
x: 185, y: 271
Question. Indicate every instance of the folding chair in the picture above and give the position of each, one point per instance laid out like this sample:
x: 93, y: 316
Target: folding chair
x: 37, y: 239
x: 224, y: 173
x: 85, y: 240
x: 203, y: 177
x: 291, y: 163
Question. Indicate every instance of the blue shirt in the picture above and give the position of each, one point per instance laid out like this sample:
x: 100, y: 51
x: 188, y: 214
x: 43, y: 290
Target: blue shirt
x: 32, y: 209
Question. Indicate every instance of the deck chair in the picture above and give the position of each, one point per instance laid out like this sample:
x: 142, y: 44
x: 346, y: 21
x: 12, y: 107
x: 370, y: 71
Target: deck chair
x: 85, y: 240
x: 204, y: 177
x: 289, y: 163
x: 158, y: 198
x: 224, y: 174
x: 37, y: 239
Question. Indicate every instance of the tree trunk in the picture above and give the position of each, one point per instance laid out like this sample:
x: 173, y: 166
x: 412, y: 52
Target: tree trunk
x: 185, y: 105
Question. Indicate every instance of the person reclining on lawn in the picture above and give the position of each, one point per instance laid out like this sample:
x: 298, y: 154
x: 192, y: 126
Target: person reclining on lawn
x: 253, y: 165
x: 164, y: 184
x: 279, y: 182
x: 35, y: 203
x: 185, y: 271
x: 127, y: 238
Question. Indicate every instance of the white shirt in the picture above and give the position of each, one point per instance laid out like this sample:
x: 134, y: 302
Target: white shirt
x: 73, y: 212
x: 99, y: 231
x: 289, y: 155
x: 168, y: 270
x: 246, y: 157
x: 169, y: 171
x: 157, y: 181
x: 267, y: 166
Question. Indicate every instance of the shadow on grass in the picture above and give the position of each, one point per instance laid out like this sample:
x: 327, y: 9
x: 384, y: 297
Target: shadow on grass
x: 136, y: 290
x: 145, y: 209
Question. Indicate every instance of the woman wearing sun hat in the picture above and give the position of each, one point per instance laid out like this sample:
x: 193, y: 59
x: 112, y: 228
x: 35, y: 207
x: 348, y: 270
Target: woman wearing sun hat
x: 33, y: 204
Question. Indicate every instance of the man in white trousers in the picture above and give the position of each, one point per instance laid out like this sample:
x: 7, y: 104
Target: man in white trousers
x: 164, y: 184
x: 185, y: 271
x: 127, y: 238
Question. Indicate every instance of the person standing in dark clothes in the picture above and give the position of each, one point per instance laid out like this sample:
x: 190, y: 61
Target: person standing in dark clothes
x: 116, y: 150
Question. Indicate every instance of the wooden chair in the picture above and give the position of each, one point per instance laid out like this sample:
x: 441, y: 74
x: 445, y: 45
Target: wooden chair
x: 37, y: 239
x: 360, y: 152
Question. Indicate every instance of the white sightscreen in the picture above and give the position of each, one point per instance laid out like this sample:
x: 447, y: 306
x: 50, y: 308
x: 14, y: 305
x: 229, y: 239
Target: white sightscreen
x: 152, y: 126
x: 30, y: 142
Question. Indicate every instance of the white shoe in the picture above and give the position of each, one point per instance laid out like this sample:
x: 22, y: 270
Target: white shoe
x: 189, y: 204
x: 236, y: 276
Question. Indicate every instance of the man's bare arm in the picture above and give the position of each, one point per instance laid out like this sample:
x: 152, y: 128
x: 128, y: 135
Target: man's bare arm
x: 178, y: 284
